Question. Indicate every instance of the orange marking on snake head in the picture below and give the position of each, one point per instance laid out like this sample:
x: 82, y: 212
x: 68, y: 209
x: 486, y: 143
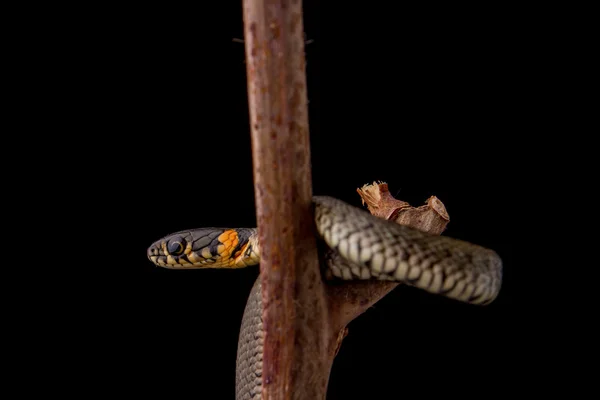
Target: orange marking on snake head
x: 229, y: 238
x: 227, y: 235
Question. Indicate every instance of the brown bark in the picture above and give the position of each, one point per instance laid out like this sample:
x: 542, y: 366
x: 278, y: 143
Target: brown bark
x: 294, y: 306
x: 431, y: 217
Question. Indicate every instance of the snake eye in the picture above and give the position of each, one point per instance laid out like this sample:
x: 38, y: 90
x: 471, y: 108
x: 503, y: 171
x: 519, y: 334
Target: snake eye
x: 176, y: 246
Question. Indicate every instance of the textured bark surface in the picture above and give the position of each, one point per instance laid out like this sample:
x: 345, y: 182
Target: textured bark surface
x: 295, y: 316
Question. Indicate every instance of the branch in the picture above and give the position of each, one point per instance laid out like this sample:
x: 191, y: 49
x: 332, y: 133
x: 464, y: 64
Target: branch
x: 294, y: 306
x: 348, y: 300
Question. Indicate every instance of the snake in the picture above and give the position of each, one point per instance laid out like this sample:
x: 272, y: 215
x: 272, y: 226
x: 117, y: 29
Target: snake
x: 360, y: 246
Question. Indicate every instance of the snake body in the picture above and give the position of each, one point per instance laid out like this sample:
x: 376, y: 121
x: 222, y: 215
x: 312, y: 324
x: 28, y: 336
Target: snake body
x: 360, y: 246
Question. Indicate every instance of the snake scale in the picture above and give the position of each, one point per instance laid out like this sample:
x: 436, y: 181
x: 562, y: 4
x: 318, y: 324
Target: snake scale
x: 365, y: 247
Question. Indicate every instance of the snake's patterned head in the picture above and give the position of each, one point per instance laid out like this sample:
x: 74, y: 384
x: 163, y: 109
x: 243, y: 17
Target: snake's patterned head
x: 206, y: 248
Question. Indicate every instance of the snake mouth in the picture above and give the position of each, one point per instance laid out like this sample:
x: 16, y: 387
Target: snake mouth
x: 189, y: 261
x: 170, y: 262
x: 155, y: 250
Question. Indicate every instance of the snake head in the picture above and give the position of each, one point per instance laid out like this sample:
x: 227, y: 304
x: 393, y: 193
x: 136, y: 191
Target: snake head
x: 205, y: 248
x: 171, y: 251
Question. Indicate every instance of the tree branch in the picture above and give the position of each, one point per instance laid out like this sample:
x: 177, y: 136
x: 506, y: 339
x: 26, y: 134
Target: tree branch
x: 348, y: 300
x: 304, y: 322
x: 295, y: 315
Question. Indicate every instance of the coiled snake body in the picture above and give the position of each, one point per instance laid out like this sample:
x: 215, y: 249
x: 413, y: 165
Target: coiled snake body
x: 367, y: 247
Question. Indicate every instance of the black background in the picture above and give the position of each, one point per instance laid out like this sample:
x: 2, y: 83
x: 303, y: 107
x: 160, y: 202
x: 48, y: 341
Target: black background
x: 432, y: 101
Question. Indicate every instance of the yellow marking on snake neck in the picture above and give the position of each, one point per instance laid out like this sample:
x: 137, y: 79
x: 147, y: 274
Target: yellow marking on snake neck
x: 205, y: 252
x: 194, y: 258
